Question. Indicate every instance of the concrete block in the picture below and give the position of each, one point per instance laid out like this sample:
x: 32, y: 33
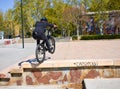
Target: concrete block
x: 110, y: 83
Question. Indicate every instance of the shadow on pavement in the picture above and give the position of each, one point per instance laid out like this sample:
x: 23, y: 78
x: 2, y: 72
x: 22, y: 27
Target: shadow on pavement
x: 33, y: 62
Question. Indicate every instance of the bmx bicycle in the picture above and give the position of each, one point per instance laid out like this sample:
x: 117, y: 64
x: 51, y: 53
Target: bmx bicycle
x: 41, y: 48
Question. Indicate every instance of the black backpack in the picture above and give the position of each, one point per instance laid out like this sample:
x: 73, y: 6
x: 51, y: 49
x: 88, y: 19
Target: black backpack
x: 34, y: 34
x: 35, y: 31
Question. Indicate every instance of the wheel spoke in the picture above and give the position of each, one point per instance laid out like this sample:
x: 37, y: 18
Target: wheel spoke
x: 52, y: 44
x: 40, y: 54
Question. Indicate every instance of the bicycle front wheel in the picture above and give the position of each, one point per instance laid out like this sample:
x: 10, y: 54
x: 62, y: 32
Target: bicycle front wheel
x: 40, y: 53
x: 52, y: 44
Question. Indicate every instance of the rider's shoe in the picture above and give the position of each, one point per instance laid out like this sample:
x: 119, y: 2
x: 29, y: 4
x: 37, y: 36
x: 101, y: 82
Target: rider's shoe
x: 51, y: 48
x: 46, y: 48
x: 50, y: 51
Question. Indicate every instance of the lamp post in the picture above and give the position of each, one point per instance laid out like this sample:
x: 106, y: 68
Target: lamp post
x: 22, y: 25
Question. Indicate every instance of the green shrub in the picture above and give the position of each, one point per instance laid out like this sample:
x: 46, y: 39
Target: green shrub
x: 28, y: 34
x: 98, y: 37
x: 74, y: 37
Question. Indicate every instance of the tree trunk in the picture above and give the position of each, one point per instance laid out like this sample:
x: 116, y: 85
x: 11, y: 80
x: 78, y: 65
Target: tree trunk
x: 78, y: 30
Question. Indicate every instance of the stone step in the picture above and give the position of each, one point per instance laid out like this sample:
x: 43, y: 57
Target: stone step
x: 110, y: 83
x: 34, y: 87
x: 16, y: 72
x: 4, y: 79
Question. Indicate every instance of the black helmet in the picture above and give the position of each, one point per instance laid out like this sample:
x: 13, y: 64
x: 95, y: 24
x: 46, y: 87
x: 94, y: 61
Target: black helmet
x: 43, y: 19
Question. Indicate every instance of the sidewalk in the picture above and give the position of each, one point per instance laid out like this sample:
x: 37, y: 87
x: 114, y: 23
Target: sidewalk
x: 12, y: 54
x: 65, y: 51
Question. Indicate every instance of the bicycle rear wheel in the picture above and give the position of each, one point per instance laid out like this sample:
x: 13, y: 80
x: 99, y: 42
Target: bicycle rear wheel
x: 52, y: 44
x: 40, y: 53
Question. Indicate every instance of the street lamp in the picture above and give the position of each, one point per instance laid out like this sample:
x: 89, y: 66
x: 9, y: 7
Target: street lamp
x: 22, y: 25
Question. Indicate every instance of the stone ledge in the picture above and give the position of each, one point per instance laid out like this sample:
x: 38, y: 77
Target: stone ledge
x: 73, y: 63
x: 117, y: 62
x: 16, y: 71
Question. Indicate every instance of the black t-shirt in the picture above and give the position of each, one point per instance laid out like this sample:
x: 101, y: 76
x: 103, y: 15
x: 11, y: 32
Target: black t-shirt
x: 41, y: 26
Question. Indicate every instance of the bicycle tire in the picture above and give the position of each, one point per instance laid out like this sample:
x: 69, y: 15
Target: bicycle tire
x: 40, y: 53
x: 52, y: 44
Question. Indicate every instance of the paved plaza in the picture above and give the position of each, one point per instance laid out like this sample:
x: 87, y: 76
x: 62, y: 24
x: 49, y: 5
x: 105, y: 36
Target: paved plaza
x: 83, y: 50
x: 65, y: 51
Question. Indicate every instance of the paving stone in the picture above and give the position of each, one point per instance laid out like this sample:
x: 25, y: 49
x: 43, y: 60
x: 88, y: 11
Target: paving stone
x: 112, y: 83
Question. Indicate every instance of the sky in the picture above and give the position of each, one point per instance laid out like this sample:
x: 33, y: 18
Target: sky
x: 6, y: 4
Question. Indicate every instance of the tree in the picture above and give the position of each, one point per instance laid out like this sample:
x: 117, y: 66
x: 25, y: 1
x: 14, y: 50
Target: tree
x: 32, y: 12
x: 1, y: 21
x: 9, y: 22
x: 67, y: 19
x: 73, y: 13
x: 55, y: 14
x: 113, y: 5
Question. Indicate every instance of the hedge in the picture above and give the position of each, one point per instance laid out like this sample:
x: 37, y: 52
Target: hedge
x: 74, y: 37
x: 98, y: 37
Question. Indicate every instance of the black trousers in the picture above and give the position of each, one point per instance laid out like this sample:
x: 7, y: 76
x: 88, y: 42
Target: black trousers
x: 43, y: 37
